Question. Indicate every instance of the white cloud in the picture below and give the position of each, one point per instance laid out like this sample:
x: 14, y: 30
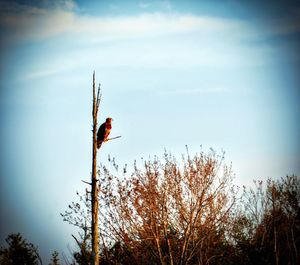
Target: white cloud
x: 39, y: 74
x: 36, y: 23
x: 155, y: 40
x: 22, y: 22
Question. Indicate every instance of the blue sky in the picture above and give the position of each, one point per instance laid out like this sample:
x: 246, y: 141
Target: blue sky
x: 220, y: 74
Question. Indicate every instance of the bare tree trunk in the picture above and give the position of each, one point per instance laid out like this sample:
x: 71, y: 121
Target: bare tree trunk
x: 276, y: 250
x: 159, y: 251
x: 95, y: 190
x: 166, y: 234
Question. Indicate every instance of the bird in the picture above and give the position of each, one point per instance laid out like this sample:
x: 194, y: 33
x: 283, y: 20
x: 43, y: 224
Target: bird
x: 103, y: 132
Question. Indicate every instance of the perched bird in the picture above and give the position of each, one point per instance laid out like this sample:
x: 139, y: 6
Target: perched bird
x: 103, y: 132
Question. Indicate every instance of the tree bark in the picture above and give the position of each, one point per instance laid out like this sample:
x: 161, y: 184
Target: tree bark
x: 94, y: 193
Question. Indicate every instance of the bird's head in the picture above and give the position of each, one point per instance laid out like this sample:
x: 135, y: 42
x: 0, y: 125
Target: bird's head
x: 109, y: 119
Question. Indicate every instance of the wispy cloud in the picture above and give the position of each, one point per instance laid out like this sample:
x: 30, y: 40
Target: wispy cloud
x: 30, y: 23
x: 17, y: 6
x: 283, y: 26
x: 40, y: 74
x: 196, y: 91
x: 154, y: 40
x: 144, y: 5
x: 166, y: 4
x: 37, y: 23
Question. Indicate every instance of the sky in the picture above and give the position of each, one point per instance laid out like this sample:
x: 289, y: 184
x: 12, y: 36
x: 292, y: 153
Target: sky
x: 206, y: 74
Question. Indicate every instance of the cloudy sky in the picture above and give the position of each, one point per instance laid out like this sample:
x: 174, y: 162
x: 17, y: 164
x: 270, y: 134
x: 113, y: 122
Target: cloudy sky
x: 220, y: 74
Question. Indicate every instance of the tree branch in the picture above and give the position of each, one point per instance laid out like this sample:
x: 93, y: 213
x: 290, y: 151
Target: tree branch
x: 89, y: 183
x: 109, y: 139
x: 99, y: 95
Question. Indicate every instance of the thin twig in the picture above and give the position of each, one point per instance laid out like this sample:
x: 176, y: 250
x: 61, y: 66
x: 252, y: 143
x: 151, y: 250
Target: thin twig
x: 108, y: 139
x: 78, y: 243
x: 89, y: 183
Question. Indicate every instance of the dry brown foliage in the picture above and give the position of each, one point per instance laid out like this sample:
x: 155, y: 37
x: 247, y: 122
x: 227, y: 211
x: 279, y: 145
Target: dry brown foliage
x: 177, y: 210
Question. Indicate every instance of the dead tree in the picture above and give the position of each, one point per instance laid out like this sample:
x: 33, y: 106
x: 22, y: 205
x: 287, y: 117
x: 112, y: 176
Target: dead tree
x: 95, y: 186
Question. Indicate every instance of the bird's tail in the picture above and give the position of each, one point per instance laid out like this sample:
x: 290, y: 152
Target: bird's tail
x: 99, y: 143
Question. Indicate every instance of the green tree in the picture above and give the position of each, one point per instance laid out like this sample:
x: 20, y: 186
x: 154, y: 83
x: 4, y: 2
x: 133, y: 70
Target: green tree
x: 19, y: 252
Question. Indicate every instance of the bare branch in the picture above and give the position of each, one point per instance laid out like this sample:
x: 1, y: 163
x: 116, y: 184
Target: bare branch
x: 89, y: 183
x: 109, y: 139
x: 99, y: 96
x: 77, y: 241
x: 94, y: 187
